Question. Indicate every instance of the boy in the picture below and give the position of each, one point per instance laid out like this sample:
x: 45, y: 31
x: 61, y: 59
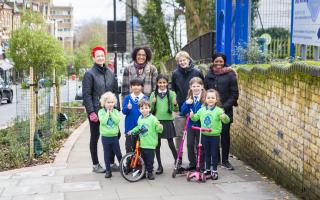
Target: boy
x: 130, y: 108
x: 148, y: 139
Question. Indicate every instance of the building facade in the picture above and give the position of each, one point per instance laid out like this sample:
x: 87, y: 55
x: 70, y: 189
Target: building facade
x: 62, y: 17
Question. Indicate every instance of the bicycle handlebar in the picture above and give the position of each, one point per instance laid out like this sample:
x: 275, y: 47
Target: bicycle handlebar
x: 201, y: 129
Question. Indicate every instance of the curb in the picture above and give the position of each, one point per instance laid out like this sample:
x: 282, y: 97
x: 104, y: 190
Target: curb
x: 64, y: 152
x: 61, y: 157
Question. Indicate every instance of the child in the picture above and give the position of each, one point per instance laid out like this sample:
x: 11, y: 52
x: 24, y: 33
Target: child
x: 130, y: 108
x: 148, y: 139
x: 211, y: 116
x: 109, y: 128
x: 195, y: 100
x: 163, y: 103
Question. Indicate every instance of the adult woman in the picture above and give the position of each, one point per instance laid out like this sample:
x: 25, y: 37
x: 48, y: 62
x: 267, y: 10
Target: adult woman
x: 142, y: 69
x: 181, y: 77
x: 96, y: 81
x: 223, y: 79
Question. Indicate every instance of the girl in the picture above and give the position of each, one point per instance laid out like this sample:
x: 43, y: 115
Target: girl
x: 211, y: 116
x: 195, y: 99
x: 163, y: 103
x: 109, y: 129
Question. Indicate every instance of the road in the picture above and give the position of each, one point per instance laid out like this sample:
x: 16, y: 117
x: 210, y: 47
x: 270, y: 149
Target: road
x: 19, y: 107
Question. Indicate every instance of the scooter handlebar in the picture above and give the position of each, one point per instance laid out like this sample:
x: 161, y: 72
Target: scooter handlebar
x: 201, y: 129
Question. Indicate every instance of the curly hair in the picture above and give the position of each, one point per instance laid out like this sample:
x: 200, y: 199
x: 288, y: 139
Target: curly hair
x: 146, y: 50
x: 108, y: 96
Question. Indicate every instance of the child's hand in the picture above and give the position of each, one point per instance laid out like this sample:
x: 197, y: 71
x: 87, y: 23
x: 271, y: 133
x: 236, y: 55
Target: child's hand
x: 175, y: 102
x: 129, y: 106
x: 189, y: 101
x: 223, y: 116
x: 129, y: 133
x: 154, y: 99
x: 191, y: 113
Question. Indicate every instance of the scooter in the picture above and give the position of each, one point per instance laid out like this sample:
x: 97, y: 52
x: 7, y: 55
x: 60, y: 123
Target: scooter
x: 178, y: 169
x: 197, y: 175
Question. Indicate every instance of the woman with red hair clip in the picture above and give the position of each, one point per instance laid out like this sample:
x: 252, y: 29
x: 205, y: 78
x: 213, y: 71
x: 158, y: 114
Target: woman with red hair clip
x: 96, y: 81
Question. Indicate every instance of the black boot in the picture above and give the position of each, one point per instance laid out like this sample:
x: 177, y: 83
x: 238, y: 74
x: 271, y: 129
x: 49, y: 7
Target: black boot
x: 108, y: 174
x: 159, y: 170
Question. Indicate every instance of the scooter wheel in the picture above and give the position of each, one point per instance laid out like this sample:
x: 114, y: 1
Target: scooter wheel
x: 174, y: 173
x: 188, y: 176
x: 203, y: 178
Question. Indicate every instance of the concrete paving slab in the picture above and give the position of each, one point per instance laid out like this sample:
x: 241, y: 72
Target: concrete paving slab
x: 92, y: 195
x: 42, y: 180
x: 75, y: 187
x: 211, y: 196
x: 148, y: 191
x: 84, y: 178
x: 73, y: 171
x: 5, y: 177
x: 53, y: 196
x: 10, y: 182
x: 5, y: 198
x: 25, y: 190
x: 36, y: 173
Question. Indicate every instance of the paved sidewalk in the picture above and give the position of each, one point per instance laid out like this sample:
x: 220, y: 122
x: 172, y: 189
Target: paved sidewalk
x: 70, y: 178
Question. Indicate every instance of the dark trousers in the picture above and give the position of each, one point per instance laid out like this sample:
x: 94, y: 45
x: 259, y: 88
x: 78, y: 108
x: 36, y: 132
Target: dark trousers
x: 131, y: 142
x: 211, y: 146
x: 192, y: 146
x: 148, y: 158
x: 110, y: 144
x: 225, y: 143
x: 94, y: 138
x: 172, y: 148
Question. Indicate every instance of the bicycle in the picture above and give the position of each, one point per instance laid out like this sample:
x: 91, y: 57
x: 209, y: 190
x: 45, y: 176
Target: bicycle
x: 132, y: 166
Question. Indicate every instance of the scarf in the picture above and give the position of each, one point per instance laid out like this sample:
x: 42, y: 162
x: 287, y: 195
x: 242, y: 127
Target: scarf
x: 219, y: 71
x: 140, y: 66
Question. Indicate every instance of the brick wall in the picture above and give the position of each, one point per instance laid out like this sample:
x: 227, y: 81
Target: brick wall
x: 277, y: 126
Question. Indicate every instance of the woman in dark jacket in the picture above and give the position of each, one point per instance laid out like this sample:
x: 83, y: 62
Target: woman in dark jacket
x: 223, y: 79
x: 96, y: 81
x: 181, y: 77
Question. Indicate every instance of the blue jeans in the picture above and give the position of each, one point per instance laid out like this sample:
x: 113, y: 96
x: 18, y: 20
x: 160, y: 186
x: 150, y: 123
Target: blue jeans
x: 148, y: 158
x: 110, y: 143
x: 211, y: 145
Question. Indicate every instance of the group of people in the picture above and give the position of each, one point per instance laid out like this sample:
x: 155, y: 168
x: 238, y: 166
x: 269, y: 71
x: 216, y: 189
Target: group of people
x: 150, y: 105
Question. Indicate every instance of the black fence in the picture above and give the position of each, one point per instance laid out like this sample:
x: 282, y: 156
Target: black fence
x: 200, y: 49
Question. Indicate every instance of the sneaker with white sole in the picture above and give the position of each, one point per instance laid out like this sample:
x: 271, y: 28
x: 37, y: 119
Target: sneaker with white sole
x: 98, y: 169
x: 214, y: 175
x: 227, y: 165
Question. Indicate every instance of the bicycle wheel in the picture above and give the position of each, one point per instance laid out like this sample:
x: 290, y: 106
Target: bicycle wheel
x: 129, y: 173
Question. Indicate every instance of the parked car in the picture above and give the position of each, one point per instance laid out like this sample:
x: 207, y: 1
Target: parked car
x: 79, y: 93
x: 6, y: 93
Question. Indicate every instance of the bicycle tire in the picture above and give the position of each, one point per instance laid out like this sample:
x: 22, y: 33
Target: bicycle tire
x: 132, y: 175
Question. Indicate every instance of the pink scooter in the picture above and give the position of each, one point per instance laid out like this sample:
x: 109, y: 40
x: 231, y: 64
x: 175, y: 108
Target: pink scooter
x: 197, y: 175
x: 178, y: 169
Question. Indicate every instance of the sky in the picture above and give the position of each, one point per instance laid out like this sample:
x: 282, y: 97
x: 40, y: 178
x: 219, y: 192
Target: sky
x: 88, y: 10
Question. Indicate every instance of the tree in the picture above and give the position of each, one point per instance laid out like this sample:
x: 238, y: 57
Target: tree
x: 199, y: 16
x: 156, y: 31
x: 34, y: 50
x: 95, y: 28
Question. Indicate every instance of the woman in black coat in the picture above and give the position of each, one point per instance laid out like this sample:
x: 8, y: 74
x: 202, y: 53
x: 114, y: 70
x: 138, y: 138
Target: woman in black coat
x: 223, y: 79
x: 96, y: 81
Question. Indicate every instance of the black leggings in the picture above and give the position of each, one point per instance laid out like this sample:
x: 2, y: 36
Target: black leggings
x: 172, y: 148
x: 94, y: 138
